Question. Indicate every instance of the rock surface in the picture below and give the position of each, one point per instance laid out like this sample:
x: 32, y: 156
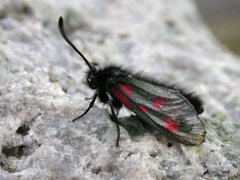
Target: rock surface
x: 42, y: 89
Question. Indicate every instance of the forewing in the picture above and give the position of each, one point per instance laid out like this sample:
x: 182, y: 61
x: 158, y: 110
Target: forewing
x: 167, y: 110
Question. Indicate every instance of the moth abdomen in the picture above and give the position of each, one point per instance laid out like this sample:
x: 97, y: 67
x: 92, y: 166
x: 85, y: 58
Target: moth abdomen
x: 195, y: 101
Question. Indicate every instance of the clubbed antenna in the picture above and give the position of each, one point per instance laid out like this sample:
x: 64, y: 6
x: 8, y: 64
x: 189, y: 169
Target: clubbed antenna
x: 61, y: 28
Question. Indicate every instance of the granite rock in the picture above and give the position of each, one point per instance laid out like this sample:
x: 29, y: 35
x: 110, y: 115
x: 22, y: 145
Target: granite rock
x: 42, y: 89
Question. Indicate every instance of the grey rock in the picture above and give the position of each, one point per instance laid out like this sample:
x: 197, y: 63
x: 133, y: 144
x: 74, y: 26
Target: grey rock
x: 42, y: 89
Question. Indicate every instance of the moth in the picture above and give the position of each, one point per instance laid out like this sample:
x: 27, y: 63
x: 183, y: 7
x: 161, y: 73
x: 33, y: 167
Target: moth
x: 168, y: 109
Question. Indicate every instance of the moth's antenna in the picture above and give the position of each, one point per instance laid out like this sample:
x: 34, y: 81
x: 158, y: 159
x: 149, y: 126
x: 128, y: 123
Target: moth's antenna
x: 61, y: 28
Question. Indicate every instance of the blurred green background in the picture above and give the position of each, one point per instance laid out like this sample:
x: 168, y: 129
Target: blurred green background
x: 223, y: 18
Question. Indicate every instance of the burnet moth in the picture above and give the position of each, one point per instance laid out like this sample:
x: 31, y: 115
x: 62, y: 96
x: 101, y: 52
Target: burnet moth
x: 166, y: 108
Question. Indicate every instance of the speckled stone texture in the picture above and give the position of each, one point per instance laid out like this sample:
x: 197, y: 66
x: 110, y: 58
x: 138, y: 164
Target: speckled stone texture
x: 42, y: 90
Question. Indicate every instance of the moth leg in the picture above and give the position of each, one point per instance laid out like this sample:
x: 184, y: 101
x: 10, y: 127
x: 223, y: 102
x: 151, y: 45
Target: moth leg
x: 89, y: 107
x: 89, y: 98
x: 115, y: 119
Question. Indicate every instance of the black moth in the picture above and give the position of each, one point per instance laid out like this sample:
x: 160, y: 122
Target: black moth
x: 166, y: 108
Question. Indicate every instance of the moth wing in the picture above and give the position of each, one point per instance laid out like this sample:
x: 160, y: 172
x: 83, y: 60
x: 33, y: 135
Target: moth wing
x: 167, y: 110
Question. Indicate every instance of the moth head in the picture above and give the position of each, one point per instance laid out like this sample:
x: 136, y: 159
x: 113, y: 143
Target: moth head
x: 92, y: 78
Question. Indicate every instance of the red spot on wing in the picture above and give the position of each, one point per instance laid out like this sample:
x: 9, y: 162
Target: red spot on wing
x: 121, y: 97
x: 158, y: 103
x: 171, y: 125
x: 143, y: 108
x: 126, y: 89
